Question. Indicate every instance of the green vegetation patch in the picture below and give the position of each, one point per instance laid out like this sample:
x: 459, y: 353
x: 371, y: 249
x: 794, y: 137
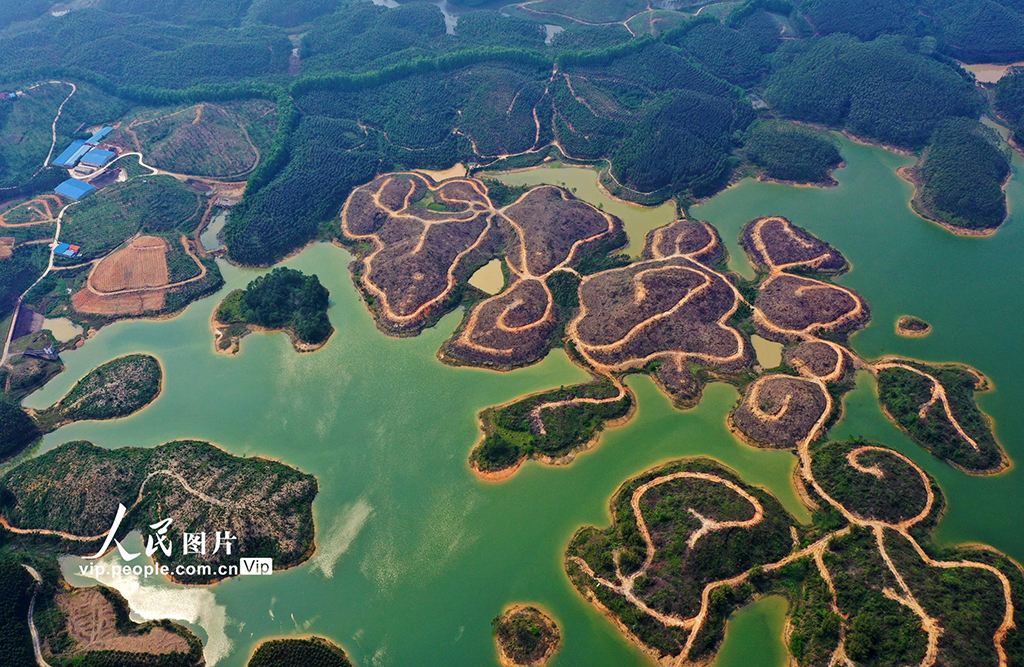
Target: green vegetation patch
x: 282, y: 299
x: 16, y: 592
x: 903, y: 393
x: 18, y: 272
x: 205, y: 139
x: 512, y: 432
x: 1009, y: 101
x: 791, y: 152
x: 526, y: 636
x: 961, y: 176
x: 880, y: 630
x: 74, y: 488
x: 310, y: 652
x: 892, y: 490
x: 151, y: 204
x: 674, y: 580
x: 115, y: 389
x: 17, y: 429
x: 878, y: 90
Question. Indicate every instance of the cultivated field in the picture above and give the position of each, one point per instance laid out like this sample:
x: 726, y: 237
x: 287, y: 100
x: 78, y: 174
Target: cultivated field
x: 141, y: 264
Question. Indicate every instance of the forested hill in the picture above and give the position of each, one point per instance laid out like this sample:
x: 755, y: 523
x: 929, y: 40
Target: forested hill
x: 661, y: 99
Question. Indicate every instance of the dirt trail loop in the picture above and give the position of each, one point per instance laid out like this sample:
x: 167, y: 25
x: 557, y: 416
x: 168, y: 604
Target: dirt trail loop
x: 708, y: 275
x: 776, y: 270
x: 626, y: 584
x: 47, y: 202
x: 905, y: 596
x: 938, y: 394
x: 92, y: 538
x: 474, y: 208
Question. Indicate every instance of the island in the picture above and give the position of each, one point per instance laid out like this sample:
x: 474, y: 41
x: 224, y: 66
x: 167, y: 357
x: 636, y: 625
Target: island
x: 912, y: 327
x: 675, y: 313
x: 307, y: 652
x: 64, y: 500
x: 282, y: 300
x: 116, y: 389
x: 690, y: 542
x: 935, y: 405
x: 526, y: 637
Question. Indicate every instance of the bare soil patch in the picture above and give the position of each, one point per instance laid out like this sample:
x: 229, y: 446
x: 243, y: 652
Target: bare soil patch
x: 780, y: 410
x: 140, y: 264
x: 92, y: 624
x: 776, y: 243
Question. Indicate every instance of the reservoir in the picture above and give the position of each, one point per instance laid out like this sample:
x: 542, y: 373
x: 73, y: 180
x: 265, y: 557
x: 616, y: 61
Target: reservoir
x: 415, y: 555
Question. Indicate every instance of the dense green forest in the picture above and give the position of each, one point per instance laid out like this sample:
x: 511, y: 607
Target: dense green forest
x: 17, y: 429
x: 961, y: 175
x: 968, y: 30
x: 282, y: 299
x: 791, y: 152
x: 386, y: 88
x: 879, y: 90
x: 16, y: 592
x: 18, y: 272
x: 1009, y: 101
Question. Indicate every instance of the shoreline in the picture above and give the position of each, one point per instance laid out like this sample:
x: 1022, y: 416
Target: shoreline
x: 219, y: 331
x: 554, y: 461
x: 550, y: 621
x: 983, y: 385
x: 903, y: 330
x: 907, y: 174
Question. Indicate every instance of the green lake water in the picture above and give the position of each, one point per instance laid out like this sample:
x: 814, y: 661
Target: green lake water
x: 416, y: 556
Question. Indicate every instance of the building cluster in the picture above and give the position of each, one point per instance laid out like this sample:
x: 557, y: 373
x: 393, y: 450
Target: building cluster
x: 86, y: 152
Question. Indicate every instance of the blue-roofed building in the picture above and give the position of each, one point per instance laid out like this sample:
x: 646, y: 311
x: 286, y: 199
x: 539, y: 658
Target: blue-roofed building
x: 79, y: 154
x: 64, y: 159
x: 74, y: 189
x: 97, y: 157
x: 99, y: 135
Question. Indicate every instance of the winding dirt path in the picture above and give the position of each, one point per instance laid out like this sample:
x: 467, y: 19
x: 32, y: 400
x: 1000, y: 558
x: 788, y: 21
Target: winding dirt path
x: 938, y: 394
x: 92, y: 538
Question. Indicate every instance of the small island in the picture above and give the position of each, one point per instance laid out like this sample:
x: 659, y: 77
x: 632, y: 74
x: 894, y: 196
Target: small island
x: 306, y: 651
x: 551, y: 426
x: 526, y: 637
x: 282, y: 300
x: 912, y: 327
x: 118, y: 388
